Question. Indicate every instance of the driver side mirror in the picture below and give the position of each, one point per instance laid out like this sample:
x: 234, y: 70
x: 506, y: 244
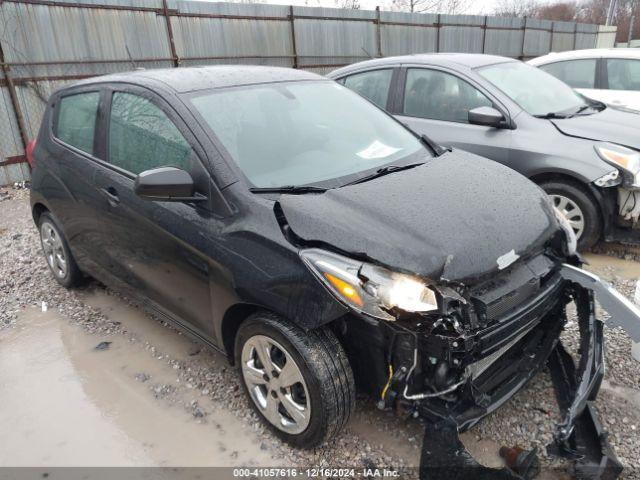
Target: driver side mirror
x: 168, y: 184
x: 487, y: 116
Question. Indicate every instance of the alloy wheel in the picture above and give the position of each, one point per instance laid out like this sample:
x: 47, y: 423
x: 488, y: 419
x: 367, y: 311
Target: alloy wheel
x: 571, y: 211
x: 275, y: 384
x: 53, y: 249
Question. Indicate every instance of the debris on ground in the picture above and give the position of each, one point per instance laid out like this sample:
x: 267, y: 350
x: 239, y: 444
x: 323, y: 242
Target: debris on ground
x: 102, y: 346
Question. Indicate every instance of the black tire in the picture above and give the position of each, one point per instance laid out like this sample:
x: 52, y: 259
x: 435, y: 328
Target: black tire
x: 582, y: 198
x: 324, y: 367
x: 72, y: 276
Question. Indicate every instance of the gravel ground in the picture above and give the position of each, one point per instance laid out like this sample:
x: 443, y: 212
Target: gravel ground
x: 373, y: 438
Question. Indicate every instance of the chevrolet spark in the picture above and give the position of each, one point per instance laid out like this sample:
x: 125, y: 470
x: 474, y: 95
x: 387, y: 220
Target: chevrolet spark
x: 290, y: 224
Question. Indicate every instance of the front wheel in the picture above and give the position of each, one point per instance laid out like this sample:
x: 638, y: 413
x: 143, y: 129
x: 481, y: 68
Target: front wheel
x: 299, y: 382
x: 579, y: 208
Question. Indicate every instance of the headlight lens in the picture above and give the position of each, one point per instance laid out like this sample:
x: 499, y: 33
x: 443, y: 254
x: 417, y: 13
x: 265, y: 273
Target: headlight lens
x: 368, y: 288
x: 622, y: 157
x: 572, y: 240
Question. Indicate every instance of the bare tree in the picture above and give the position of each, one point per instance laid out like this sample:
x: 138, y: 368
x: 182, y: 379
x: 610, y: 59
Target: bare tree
x: 431, y: 6
x: 560, y: 11
x: 349, y: 4
x: 516, y: 8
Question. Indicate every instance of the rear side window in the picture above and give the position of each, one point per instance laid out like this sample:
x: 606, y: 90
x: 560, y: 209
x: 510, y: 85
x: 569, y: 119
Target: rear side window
x: 623, y: 74
x: 76, y: 123
x: 575, y: 73
x: 142, y: 137
x: 372, y: 85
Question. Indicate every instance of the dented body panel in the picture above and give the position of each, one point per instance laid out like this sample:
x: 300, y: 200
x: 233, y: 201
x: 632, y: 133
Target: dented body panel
x: 422, y: 220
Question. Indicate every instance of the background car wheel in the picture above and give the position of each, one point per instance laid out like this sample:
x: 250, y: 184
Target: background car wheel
x: 299, y: 382
x: 57, y: 253
x: 579, y: 208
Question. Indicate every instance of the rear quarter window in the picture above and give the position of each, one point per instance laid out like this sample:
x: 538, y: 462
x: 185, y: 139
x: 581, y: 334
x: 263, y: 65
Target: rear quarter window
x: 76, y: 122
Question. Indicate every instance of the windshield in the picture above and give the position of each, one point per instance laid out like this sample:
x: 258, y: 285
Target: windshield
x: 304, y: 133
x: 537, y: 92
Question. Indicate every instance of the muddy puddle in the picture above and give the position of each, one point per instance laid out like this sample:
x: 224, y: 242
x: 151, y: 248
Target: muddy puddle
x: 64, y: 403
x: 608, y: 267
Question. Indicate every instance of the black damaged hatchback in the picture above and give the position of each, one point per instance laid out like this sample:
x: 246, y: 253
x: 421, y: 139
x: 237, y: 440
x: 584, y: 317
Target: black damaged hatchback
x: 287, y: 222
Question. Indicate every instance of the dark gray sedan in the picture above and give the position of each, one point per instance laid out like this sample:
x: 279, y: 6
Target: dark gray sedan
x: 584, y: 154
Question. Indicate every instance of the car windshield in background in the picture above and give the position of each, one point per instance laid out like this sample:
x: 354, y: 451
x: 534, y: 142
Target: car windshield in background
x: 537, y: 92
x: 304, y: 133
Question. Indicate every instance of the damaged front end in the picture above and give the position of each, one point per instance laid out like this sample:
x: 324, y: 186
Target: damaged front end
x: 451, y: 354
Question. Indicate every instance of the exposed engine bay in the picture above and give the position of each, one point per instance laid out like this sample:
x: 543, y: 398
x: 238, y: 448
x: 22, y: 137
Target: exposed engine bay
x: 454, y: 366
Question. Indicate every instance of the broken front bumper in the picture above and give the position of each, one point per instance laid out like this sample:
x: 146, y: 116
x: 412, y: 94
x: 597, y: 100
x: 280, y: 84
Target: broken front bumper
x: 579, y: 436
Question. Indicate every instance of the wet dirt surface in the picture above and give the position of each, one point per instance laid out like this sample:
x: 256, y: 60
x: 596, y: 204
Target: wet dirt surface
x: 153, y: 397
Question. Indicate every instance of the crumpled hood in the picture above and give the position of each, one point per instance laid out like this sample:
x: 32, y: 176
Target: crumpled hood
x: 610, y: 125
x: 451, y: 218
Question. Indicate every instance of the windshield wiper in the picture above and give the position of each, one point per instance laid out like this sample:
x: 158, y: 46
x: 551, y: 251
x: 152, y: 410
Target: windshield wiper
x: 289, y: 189
x: 384, y: 171
x: 553, y: 116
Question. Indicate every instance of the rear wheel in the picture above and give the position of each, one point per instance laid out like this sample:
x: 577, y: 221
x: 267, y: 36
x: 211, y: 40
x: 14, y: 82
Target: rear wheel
x: 57, y: 253
x: 579, y: 208
x: 299, y: 382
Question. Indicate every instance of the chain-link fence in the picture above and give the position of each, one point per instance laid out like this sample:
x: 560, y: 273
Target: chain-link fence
x: 47, y: 44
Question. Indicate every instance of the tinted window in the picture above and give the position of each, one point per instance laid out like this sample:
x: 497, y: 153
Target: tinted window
x: 440, y: 96
x: 623, y: 74
x: 302, y: 133
x: 575, y: 73
x: 77, y: 120
x: 372, y: 85
x: 142, y: 137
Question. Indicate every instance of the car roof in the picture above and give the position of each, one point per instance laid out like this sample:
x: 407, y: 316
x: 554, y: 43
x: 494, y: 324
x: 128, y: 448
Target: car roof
x: 588, y: 53
x: 454, y: 60
x: 191, y: 79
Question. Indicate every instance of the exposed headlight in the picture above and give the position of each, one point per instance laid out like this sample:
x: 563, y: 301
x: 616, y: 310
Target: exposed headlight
x: 368, y: 288
x: 627, y: 160
x: 572, y: 240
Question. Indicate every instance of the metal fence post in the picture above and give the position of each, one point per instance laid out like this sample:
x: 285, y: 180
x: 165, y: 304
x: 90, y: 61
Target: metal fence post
x: 13, y: 95
x: 172, y: 44
x: 484, y: 33
x: 438, y: 26
x: 293, y: 37
x: 575, y: 35
x: 524, y: 36
x: 378, y: 33
x: 551, y: 38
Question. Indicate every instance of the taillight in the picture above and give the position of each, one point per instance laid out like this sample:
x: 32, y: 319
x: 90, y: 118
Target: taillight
x: 29, y: 152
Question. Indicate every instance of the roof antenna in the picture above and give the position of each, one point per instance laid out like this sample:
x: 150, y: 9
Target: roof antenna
x: 135, y: 67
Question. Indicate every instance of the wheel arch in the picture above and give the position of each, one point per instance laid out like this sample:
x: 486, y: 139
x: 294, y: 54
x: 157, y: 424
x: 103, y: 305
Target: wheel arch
x: 37, y: 210
x: 600, y: 197
x: 234, y: 317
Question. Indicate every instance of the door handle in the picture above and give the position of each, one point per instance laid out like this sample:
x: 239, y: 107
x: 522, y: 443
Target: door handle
x: 112, y: 196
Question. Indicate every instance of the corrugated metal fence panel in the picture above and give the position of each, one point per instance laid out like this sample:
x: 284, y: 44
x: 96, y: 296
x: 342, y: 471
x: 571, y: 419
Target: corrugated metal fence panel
x: 218, y: 37
x: 10, y: 142
x: 334, y: 42
x: 606, y: 36
x: 500, y: 41
x: 537, y: 38
x: 403, y: 39
x: 586, y: 36
x: 39, y: 33
x: 16, y: 172
x: 461, y: 38
x: 563, y: 36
